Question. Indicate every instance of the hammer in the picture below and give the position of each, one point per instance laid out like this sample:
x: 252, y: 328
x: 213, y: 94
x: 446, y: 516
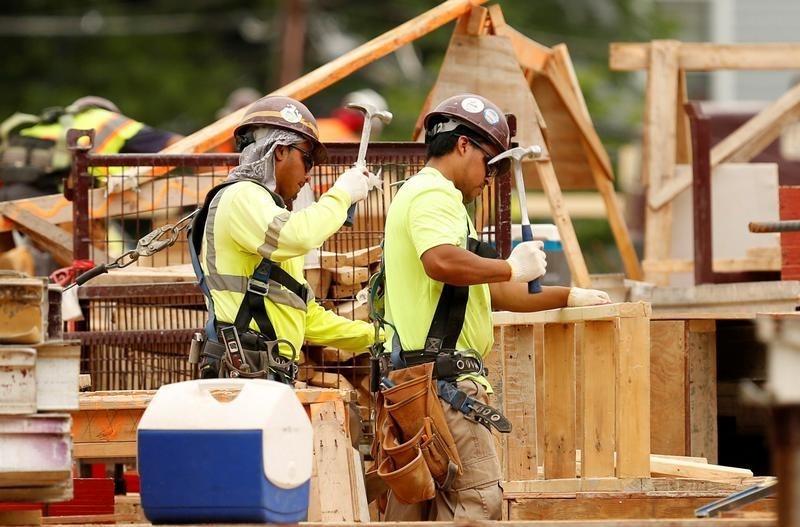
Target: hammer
x: 517, y: 154
x: 369, y: 112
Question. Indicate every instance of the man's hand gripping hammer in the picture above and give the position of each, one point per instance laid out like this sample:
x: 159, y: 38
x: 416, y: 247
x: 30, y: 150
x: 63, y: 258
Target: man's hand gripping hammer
x: 517, y: 154
x: 369, y: 112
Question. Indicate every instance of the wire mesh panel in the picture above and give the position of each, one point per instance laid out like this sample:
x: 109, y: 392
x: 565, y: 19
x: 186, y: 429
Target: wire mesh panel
x: 138, y: 336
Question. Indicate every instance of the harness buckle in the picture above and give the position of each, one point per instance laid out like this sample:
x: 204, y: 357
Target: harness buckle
x: 257, y: 287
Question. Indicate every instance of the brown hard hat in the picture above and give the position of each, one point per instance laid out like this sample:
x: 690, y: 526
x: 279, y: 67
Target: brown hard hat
x: 287, y: 113
x: 475, y: 112
x: 92, y: 101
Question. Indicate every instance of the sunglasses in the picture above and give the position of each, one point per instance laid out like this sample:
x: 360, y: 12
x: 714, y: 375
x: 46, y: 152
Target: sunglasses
x: 308, y: 159
x: 491, y: 170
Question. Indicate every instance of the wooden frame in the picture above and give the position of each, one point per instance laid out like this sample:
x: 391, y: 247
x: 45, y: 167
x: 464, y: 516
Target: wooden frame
x: 666, y: 150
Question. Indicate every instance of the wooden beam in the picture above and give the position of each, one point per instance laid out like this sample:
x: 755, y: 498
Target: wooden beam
x: 573, y: 314
x: 46, y: 235
x: 531, y: 55
x: 566, y: 231
x: 759, y: 131
x: 659, y: 150
x: 625, y: 56
x: 217, y: 133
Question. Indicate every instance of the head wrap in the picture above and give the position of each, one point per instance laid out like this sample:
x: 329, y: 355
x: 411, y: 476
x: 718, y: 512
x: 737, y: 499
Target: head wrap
x: 257, y: 160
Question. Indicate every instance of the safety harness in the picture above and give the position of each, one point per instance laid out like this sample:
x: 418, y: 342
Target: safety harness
x: 440, y: 348
x: 219, y: 345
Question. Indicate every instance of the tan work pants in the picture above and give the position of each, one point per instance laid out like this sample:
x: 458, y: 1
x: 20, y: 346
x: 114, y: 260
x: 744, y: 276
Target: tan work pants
x: 476, y: 493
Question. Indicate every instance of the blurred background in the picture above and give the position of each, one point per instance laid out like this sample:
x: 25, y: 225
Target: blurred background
x: 173, y: 64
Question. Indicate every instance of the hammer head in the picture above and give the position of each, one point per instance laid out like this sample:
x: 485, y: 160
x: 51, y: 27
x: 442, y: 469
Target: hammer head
x: 518, y: 153
x: 371, y: 111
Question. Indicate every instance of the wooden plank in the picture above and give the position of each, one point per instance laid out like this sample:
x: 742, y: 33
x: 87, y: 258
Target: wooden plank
x: 598, y: 401
x: 701, y: 344
x: 559, y: 401
x: 530, y: 54
x: 158, y: 194
x: 520, y: 401
x: 538, y: 347
x: 692, y: 469
x: 217, y: 133
x: 632, y: 56
x: 560, y: 72
x: 616, y: 220
x: 668, y: 387
x: 572, y: 251
x: 333, y: 463
x: 633, y: 398
x: 349, y: 275
x: 615, y: 508
x: 683, y: 135
x: 54, y: 239
x: 574, y: 314
x: 494, y: 363
x: 358, y: 258
x: 752, y: 137
x: 658, y: 155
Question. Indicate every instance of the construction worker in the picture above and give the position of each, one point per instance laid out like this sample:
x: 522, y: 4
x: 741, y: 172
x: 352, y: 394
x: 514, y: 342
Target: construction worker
x: 35, y: 158
x: 430, y: 247
x: 251, y: 246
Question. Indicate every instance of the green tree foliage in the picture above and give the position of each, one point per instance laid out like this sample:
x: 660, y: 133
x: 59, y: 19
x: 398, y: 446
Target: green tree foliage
x: 172, y: 64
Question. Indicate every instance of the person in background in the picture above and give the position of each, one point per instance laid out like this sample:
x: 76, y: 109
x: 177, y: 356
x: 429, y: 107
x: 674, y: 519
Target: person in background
x: 237, y: 99
x: 344, y: 124
x: 430, y: 243
x: 35, y: 159
x: 250, y: 245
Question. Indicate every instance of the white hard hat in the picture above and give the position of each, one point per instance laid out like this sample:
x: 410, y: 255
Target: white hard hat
x: 366, y: 96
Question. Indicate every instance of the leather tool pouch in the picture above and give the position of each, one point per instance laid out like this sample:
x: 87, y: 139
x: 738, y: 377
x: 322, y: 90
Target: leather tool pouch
x: 416, y: 451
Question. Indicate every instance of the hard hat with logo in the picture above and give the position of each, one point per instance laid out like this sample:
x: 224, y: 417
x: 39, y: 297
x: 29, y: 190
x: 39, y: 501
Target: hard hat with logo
x: 283, y: 112
x: 92, y: 101
x: 473, y: 111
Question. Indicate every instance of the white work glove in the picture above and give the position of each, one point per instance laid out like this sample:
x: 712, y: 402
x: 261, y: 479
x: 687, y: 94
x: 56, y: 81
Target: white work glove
x: 579, y: 297
x: 357, y: 182
x: 528, y: 261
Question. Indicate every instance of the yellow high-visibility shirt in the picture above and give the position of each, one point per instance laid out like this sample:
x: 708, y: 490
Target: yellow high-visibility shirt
x: 244, y: 225
x: 426, y: 212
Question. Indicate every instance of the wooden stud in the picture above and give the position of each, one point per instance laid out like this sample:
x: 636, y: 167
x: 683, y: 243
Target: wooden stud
x: 599, y: 363
x: 633, y: 397
x: 559, y: 401
x: 572, y: 250
x: 668, y: 387
x: 520, y: 401
x: 701, y: 347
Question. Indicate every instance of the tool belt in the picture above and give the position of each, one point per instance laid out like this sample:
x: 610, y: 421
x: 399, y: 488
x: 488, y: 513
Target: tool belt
x: 414, y: 449
x: 260, y: 359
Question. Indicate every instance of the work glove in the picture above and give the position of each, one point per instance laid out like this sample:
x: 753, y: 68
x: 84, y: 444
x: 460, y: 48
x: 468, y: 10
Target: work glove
x: 528, y: 261
x: 579, y: 297
x: 357, y: 182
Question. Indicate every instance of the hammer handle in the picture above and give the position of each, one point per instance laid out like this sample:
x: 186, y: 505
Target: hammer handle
x: 527, y: 235
x: 348, y: 222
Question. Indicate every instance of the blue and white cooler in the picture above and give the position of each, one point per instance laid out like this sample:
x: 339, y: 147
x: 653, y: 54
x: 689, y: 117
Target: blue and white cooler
x: 225, y: 450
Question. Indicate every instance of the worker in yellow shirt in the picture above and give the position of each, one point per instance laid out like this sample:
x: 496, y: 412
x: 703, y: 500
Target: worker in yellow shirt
x: 249, y: 247
x: 441, y: 285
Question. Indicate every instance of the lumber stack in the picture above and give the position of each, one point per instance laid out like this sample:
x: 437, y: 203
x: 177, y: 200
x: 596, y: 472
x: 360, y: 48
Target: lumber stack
x: 342, y: 278
x: 38, y: 385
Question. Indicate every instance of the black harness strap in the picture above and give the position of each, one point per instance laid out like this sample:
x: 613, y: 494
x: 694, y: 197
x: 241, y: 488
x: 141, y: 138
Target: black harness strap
x: 448, y: 319
x: 252, y: 306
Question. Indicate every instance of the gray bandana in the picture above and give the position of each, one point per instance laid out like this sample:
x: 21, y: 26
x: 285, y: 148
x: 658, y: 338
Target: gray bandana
x: 257, y: 160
